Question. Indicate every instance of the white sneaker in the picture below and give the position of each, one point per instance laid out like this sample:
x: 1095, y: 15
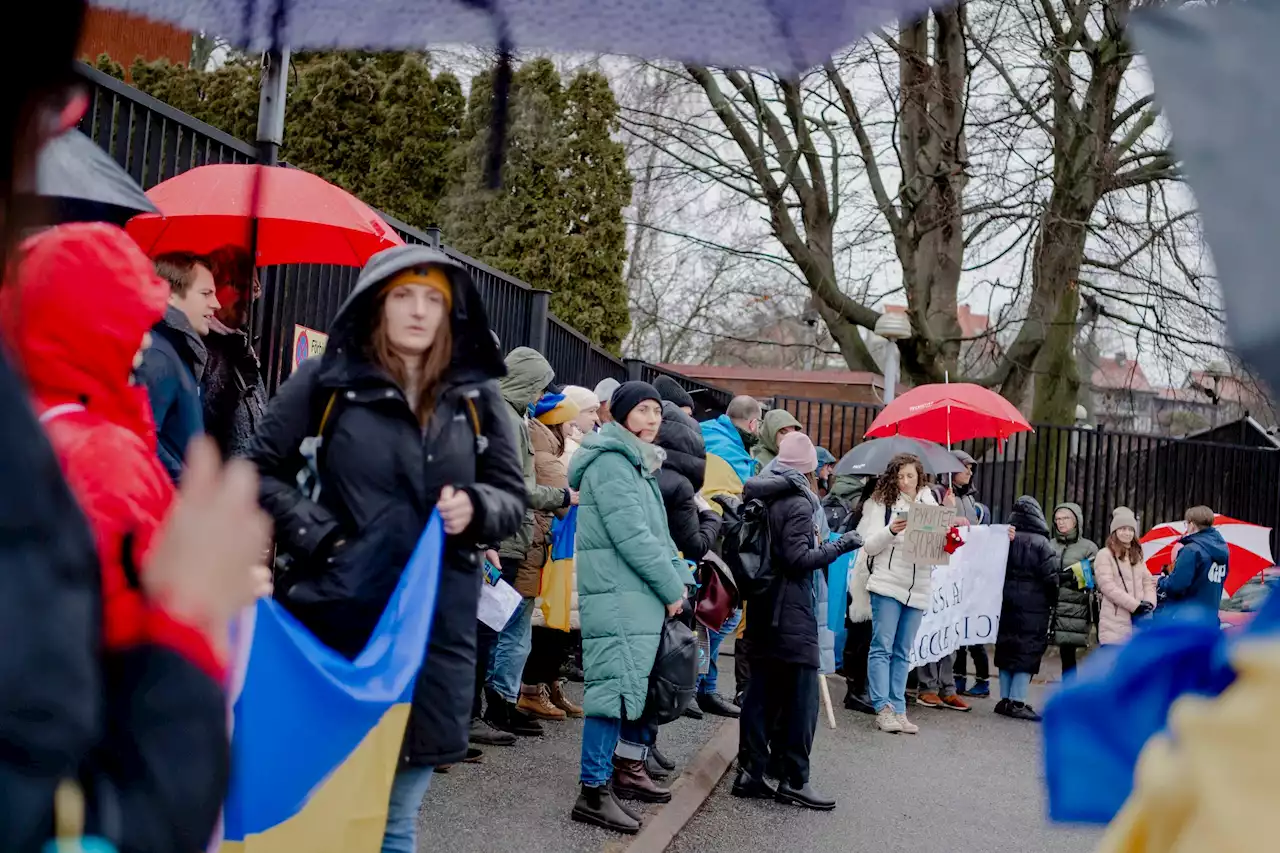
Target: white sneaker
x: 906, y: 726
x: 889, y: 722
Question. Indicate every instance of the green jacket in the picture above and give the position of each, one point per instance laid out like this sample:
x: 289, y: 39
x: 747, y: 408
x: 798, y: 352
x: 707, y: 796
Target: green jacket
x: 528, y: 375
x: 628, y: 569
x: 1073, y: 612
x: 774, y: 419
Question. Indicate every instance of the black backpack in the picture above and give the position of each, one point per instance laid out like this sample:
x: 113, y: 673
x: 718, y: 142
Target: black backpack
x: 673, y: 681
x: 746, y: 549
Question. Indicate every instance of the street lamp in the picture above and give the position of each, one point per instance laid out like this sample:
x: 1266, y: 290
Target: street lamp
x: 893, y: 328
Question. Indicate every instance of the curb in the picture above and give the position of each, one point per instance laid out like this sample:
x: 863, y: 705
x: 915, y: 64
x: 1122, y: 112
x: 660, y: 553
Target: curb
x: 693, y: 787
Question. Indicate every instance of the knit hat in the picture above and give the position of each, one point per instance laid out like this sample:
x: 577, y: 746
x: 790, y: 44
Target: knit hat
x: 584, y: 397
x: 555, y: 409
x: 1124, y: 517
x: 628, y: 396
x: 606, y: 389
x: 672, y: 392
x: 797, y: 452
x: 432, y: 277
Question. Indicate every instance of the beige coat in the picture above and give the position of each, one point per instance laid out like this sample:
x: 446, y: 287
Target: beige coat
x: 1124, y: 586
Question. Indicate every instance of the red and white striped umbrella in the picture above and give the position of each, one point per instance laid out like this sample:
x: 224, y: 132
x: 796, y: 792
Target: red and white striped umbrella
x: 1248, y: 548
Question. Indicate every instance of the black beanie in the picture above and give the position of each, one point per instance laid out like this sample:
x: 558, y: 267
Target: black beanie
x: 672, y: 391
x: 628, y: 396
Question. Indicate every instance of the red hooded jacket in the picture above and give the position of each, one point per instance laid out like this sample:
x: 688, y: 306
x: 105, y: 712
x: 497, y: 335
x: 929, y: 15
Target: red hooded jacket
x: 74, y: 315
x: 84, y: 297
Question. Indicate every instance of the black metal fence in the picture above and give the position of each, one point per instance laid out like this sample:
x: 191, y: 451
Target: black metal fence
x: 153, y: 142
x: 1156, y: 477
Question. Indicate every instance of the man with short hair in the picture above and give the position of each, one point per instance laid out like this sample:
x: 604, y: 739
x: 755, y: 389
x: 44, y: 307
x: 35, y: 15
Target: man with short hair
x: 1200, y: 568
x: 174, y: 365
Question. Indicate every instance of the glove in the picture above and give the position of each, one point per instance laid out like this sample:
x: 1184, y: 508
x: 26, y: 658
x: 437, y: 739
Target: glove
x: 1144, y: 608
x: 850, y: 541
x: 729, y: 502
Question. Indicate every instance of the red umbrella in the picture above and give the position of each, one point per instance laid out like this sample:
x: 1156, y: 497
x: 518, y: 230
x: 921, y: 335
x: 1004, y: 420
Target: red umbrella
x: 1248, y: 548
x: 302, y: 218
x: 955, y: 411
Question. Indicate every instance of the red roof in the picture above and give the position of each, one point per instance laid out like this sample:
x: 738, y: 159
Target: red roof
x: 1119, y: 372
x: 773, y: 374
x: 971, y: 325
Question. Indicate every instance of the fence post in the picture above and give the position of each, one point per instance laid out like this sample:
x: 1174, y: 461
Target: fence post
x: 539, y: 310
x: 635, y: 369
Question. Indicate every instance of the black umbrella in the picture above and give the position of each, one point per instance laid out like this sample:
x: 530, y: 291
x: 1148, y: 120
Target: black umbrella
x: 872, y: 457
x: 85, y: 184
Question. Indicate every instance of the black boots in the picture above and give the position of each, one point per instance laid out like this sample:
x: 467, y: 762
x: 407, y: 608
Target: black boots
x: 665, y: 763
x: 717, y: 705
x: 859, y: 702
x: 752, y: 787
x: 486, y: 735
x: 506, y: 717
x: 598, y: 806
x: 804, y: 796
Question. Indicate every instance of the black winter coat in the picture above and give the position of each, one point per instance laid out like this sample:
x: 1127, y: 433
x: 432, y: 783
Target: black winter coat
x: 234, y: 395
x: 1030, y: 591
x: 380, y: 476
x: 783, y: 625
x: 681, y: 477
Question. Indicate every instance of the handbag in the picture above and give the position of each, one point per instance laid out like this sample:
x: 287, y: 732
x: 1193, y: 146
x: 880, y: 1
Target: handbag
x: 718, y: 595
x: 673, y: 681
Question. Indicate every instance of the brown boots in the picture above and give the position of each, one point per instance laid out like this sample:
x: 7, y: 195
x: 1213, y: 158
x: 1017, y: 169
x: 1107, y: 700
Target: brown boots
x: 535, y: 700
x: 632, y: 782
x: 563, y: 702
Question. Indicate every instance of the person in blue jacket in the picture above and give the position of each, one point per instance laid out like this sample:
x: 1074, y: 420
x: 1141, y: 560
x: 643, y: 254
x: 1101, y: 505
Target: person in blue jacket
x: 173, y: 367
x: 1201, y: 566
x: 732, y: 435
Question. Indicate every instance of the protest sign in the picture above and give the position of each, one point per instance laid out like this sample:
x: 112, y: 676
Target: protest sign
x: 967, y: 595
x: 926, y: 534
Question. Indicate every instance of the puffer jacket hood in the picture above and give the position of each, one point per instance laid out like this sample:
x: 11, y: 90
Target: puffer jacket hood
x: 613, y: 438
x: 1074, y: 535
x: 847, y: 487
x: 774, y: 420
x: 528, y: 375
x: 476, y: 356
x: 1074, y: 609
x: 1028, y: 517
x: 681, y: 438
x: 101, y: 271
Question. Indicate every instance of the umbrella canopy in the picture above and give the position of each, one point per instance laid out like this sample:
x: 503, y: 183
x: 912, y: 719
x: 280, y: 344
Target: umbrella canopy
x: 948, y: 413
x: 1248, y: 548
x: 85, y: 184
x: 302, y: 218
x: 784, y: 36
x: 872, y: 457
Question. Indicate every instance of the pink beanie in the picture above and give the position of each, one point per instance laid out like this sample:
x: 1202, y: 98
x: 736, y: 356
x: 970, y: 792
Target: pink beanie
x: 797, y: 452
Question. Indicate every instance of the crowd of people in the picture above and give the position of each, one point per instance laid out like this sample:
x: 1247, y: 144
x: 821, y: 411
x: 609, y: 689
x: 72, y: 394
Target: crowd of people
x: 125, y: 381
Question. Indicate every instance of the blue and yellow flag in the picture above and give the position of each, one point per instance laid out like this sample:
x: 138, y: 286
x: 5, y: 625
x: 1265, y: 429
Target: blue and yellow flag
x: 316, y: 737
x: 557, y: 589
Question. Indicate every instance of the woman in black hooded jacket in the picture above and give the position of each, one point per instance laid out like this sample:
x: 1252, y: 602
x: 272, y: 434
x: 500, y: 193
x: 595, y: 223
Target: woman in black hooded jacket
x: 680, y: 479
x: 384, y: 464
x: 1030, y: 593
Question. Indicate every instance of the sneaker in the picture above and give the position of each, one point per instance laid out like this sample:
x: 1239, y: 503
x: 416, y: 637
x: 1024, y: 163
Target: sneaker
x: 908, y: 727
x: 1023, y: 711
x: 929, y: 700
x: 888, y: 721
x: 955, y: 703
x: 980, y: 690
x: 1004, y: 708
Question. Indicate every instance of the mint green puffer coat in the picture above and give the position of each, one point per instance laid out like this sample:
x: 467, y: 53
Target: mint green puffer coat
x: 628, y: 569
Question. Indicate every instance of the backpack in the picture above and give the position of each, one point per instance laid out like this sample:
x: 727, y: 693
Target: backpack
x: 747, y: 549
x: 839, y: 513
x: 673, y: 681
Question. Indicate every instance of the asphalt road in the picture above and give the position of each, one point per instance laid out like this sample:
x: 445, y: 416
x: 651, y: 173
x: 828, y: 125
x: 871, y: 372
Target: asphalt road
x: 966, y: 782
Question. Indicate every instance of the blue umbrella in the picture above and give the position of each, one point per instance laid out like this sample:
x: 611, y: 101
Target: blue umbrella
x: 783, y: 35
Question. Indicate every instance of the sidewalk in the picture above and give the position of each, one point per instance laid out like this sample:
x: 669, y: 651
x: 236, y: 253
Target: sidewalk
x: 517, y: 799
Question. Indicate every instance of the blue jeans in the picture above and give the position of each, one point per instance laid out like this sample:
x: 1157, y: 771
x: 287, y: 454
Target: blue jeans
x: 602, y: 737
x: 1014, y: 686
x: 407, y: 791
x: 507, y: 659
x: 707, y: 683
x: 894, y: 627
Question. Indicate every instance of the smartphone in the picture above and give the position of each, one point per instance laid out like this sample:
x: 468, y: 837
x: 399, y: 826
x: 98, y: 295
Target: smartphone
x: 492, y: 574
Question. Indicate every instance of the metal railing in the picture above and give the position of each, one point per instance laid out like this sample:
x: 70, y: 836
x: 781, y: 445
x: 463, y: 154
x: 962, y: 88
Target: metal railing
x: 154, y: 142
x: 1155, y: 476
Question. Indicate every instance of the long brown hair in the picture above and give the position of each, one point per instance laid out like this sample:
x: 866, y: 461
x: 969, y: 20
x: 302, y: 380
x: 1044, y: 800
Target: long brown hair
x: 886, y: 493
x: 1132, y: 552
x: 435, y: 361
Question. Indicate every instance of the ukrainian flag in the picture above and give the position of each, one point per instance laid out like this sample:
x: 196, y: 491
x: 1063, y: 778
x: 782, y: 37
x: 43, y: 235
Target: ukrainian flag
x: 316, y: 737
x: 558, y: 585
